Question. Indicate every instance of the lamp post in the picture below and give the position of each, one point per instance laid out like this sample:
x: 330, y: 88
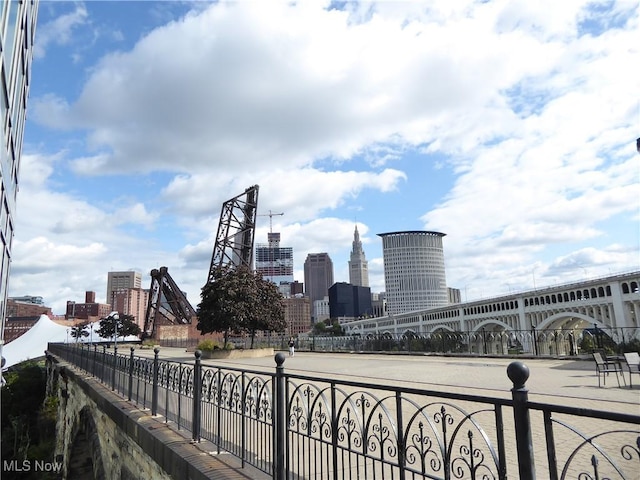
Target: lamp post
x: 115, y: 317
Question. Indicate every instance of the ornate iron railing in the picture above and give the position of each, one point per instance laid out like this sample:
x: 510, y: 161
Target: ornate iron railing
x: 296, y: 426
x: 547, y: 342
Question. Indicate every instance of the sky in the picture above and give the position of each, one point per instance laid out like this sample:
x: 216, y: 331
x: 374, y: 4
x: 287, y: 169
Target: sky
x: 510, y: 126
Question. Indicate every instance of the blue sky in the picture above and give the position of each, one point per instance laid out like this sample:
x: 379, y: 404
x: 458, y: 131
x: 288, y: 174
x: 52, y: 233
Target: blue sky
x: 508, y: 128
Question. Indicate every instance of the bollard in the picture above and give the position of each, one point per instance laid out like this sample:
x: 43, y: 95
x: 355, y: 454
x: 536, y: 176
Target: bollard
x: 154, y: 391
x: 518, y: 373
x: 279, y: 420
x: 197, y: 395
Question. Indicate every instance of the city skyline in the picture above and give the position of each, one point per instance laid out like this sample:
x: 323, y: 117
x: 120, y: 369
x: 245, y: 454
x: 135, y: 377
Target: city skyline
x: 510, y: 130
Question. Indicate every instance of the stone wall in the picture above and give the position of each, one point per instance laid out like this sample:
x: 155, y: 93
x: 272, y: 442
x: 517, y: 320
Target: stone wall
x: 84, y: 422
x: 101, y: 435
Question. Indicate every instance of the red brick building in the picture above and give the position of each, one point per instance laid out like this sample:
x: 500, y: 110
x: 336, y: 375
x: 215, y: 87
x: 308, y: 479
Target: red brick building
x: 297, y: 315
x: 89, y: 310
x: 17, y: 308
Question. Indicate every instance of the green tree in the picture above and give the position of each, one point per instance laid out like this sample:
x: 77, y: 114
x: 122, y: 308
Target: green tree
x: 320, y: 328
x: 79, y: 331
x: 329, y: 327
x: 336, y: 329
x: 28, y: 419
x: 126, y: 326
x: 238, y: 301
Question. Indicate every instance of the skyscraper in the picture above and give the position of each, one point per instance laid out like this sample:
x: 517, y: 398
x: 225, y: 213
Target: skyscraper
x: 358, y: 266
x: 318, y: 277
x: 349, y: 302
x: 414, y: 273
x: 119, y: 281
x: 17, y: 31
x: 273, y: 262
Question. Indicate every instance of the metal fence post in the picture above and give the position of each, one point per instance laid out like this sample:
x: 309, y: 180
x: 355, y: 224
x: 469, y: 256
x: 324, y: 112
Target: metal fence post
x: 130, y: 374
x: 103, y: 377
x: 154, y: 388
x: 95, y: 354
x: 197, y: 396
x: 279, y: 418
x: 518, y: 373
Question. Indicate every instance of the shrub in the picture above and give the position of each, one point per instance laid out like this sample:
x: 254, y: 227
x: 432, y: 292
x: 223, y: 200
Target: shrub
x: 208, y: 346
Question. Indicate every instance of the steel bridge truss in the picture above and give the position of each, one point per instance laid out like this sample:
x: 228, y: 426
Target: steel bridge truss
x: 167, y: 304
x: 236, y: 232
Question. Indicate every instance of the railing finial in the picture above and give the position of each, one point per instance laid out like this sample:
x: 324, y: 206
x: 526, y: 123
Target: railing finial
x: 518, y: 373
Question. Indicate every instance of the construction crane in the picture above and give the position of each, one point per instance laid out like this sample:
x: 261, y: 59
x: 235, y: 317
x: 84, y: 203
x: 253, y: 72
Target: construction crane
x: 270, y: 215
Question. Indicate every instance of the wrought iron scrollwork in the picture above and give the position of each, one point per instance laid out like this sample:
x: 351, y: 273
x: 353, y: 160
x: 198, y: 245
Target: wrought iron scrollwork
x: 605, y: 462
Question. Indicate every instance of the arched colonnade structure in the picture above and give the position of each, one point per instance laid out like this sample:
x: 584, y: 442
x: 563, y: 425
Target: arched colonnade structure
x: 550, y: 320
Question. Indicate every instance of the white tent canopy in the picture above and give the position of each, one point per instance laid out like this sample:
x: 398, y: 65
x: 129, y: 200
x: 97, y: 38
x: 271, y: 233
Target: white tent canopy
x: 33, y: 343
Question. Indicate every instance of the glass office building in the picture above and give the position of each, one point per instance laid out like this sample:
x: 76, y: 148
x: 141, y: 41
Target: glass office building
x: 17, y: 30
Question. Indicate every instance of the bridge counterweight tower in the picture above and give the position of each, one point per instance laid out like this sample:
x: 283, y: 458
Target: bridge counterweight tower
x: 236, y: 231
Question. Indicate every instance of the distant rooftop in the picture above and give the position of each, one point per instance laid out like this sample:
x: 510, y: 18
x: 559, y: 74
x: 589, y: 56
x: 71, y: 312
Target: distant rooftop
x: 423, y: 232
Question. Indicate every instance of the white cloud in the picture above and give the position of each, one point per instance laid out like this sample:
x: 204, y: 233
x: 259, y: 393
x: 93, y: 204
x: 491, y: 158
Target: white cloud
x: 59, y: 31
x: 531, y: 113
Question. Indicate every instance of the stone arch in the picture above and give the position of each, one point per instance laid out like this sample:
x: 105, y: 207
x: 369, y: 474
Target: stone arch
x: 492, y: 322
x: 355, y: 330
x: 441, y: 327
x: 84, y: 453
x: 561, y: 318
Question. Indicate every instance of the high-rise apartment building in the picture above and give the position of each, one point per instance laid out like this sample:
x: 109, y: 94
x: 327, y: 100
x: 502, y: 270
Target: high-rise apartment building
x: 273, y: 262
x: 318, y: 277
x: 119, y: 281
x: 132, y: 301
x: 414, y: 272
x: 358, y: 265
x: 17, y: 32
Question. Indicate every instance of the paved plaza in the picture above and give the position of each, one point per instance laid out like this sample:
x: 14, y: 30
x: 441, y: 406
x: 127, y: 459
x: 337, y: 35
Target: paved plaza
x: 564, y: 382
x: 556, y: 381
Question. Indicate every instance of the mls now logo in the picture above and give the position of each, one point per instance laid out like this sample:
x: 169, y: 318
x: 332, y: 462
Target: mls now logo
x: 31, y: 465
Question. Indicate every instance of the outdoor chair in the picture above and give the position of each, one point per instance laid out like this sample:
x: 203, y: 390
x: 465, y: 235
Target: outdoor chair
x: 605, y: 367
x: 633, y: 364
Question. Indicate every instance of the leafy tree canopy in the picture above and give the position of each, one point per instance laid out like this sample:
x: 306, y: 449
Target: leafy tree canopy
x: 239, y: 300
x: 328, y: 327
x: 126, y: 326
x: 80, y: 330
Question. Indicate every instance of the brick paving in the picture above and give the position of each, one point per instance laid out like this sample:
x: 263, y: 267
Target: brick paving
x: 565, y: 382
